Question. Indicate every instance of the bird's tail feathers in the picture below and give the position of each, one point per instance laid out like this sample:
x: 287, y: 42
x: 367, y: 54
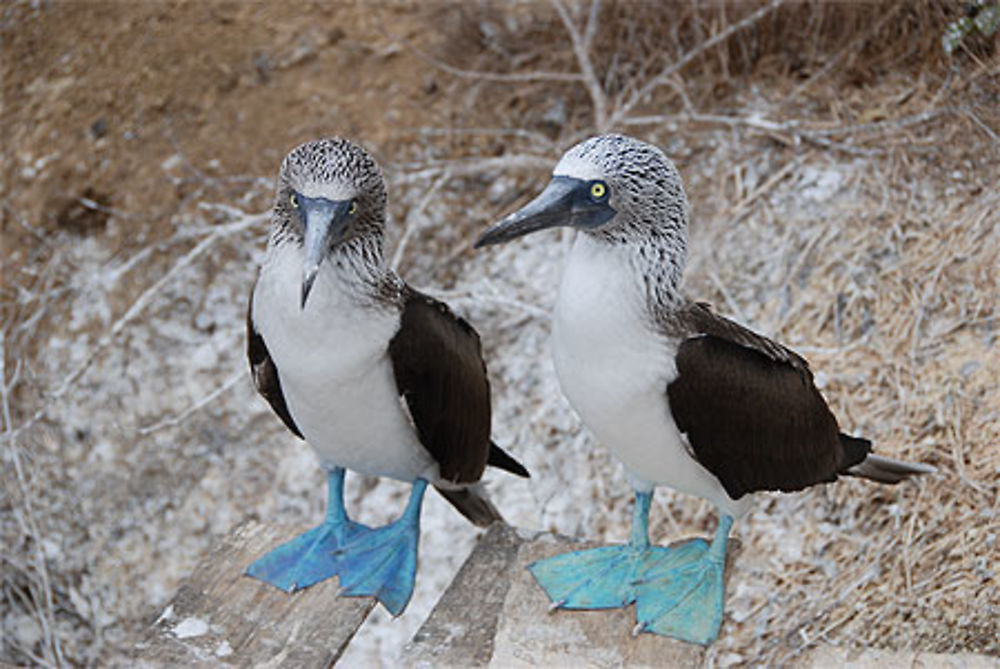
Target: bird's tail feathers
x: 503, y: 460
x: 472, y: 502
x: 887, y: 470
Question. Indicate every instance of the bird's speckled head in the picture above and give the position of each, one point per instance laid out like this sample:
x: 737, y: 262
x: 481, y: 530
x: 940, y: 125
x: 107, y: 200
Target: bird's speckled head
x: 335, y: 170
x: 644, y: 188
x: 330, y: 200
x: 615, y: 188
x: 624, y: 194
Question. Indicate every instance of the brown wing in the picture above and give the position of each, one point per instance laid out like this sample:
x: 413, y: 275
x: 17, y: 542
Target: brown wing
x: 698, y: 318
x: 439, y: 369
x: 265, y: 374
x: 751, y: 412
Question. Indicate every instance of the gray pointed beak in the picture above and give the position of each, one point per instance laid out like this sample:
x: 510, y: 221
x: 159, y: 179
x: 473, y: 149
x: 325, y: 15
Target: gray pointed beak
x: 551, y: 208
x: 325, y: 220
x: 563, y: 202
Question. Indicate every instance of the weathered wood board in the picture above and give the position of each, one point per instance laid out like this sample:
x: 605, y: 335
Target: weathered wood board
x: 495, y: 614
x: 219, y: 616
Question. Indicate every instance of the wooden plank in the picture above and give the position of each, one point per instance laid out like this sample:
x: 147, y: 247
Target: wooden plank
x: 461, y: 628
x: 495, y: 614
x: 220, y: 616
x: 530, y: 635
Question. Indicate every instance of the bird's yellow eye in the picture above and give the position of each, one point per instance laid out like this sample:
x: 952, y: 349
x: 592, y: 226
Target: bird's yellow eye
x: 293, y: 199
x: 353, y: 209
x: 598, y: 190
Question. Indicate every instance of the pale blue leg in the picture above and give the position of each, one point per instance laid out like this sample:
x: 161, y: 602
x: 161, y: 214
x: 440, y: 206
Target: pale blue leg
x: 311, y: 557
x: 599, y: 578
x: 683, y: 598
x: 382, y: 562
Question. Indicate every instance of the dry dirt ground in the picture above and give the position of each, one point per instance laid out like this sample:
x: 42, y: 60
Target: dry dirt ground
x: 843, y: 175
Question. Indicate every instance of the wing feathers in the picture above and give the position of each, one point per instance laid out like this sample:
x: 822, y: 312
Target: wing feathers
x: 753, y: 416
x: 438, y: 366
x: 265, y: 374
x: 698, y: 318
x: 754, y: 422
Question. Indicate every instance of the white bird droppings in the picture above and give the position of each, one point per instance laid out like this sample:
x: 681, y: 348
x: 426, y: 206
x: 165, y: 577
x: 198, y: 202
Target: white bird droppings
x: 190, y: 627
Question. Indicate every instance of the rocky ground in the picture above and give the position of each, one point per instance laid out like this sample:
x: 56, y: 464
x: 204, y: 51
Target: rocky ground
x: 842, y: 171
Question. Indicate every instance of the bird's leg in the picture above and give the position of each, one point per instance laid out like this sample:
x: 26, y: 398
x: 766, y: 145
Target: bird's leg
x: 311, y: 557
x: 683, y: 598
x: 382, y: 562
x: 639, y: 537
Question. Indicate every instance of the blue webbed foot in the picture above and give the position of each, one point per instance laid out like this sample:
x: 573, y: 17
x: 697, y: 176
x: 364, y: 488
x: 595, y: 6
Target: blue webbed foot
x: 311, y: 557
x: 307, y: 559
x: 599, y: 578
x: 608, y: 577
x: 681, y: 596
x: 382, y: 562
x: 678, y: 591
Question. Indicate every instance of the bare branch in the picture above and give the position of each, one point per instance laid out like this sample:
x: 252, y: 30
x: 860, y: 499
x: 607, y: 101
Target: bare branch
x: 416, y: 217
x: 580, y: 50
x: 196, y: 406
x: 23, y: 222
x: 494, y: 296
x: 482, y: 75
x: 979, y: 122
x: 852, y: 48
x: 591, y: 30
x: 661, y: 78
x: 467, y: 167
x: 46, y: 619
x: 796, y: 130
x: 219, y: 232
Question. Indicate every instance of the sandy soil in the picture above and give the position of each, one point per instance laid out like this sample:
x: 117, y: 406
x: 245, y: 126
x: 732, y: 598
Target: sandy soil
x: 140, y: 141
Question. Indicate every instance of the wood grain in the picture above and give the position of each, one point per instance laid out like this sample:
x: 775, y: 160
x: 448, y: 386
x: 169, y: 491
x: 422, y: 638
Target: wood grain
x: 220, y: 616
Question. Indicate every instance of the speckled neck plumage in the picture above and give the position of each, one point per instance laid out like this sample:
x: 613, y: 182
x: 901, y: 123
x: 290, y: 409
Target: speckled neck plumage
x: 652, y: 217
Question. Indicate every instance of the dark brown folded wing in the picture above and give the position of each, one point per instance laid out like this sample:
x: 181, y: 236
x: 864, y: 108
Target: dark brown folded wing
x: 751, y: 412
x: 439, y: 369
x: 265, y: 374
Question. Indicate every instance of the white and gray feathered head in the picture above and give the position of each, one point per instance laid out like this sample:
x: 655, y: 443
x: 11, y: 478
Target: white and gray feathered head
x: 330, y: 196
x: 620, y: 191
x: 614, y: 187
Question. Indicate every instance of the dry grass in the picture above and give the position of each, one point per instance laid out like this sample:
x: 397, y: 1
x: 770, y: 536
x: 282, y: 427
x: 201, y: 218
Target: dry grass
x: 892, y: 295
x: 842, y: 173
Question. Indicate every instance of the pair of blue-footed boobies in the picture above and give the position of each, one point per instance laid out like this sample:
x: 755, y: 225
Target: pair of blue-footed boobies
x: 383, y: 380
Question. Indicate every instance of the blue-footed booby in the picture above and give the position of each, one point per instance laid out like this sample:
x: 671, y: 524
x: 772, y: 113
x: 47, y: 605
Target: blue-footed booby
x: 683, y: 397
x: 376, y: 376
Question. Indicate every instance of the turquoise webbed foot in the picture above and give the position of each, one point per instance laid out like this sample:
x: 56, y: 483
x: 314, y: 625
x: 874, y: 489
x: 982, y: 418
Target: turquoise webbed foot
x: 678, y: 591
x: 307, y: 559
x: 611, y: 577
x: 311, y: 557
x: 682, y: 595
x: 382, y: 562
x: 600, y: 578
